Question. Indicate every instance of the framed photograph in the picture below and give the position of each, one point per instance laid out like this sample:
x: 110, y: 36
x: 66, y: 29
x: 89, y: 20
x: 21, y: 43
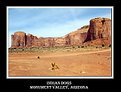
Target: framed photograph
x: 57, y: 47
x: 60, y: 42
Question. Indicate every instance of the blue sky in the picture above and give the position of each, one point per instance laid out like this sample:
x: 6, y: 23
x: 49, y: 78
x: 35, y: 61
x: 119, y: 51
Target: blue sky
x: 51, y: 22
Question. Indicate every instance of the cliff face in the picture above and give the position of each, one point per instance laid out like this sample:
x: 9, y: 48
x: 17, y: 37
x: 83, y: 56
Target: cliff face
x: 18, y: 40
x: 78, y: 37
x: 97, y: 33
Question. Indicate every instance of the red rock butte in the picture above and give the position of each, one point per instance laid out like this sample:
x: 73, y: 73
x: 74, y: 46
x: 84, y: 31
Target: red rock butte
x: 97, y: 33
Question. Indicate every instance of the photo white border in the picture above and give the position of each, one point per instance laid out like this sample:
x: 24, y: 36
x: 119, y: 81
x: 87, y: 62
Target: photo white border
x: 69, y: 77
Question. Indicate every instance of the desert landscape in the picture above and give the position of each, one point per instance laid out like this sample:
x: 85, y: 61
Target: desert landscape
x: 83, y: 52
x: 73, y: 62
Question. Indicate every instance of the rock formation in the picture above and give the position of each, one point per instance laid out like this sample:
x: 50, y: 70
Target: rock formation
x: 97, y: 33
x: 77, y: 37
x: 18, y: 40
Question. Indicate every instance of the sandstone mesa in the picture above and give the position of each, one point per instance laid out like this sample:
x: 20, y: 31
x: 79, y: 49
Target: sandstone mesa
x: 98, y: 32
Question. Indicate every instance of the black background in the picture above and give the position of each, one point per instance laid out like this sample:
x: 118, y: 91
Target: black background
x: 23, y: 84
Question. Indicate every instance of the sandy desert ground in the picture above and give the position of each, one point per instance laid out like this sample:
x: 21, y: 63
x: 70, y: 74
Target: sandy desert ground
x: 74, y: 63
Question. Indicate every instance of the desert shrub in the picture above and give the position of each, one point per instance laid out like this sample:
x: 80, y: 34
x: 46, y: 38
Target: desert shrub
x: 38, y: 57
x: 82, y: 46
x: 103, y: 45
x: 73, y: 47
x: 78, y: 46
x: 85, y: 46
x: 23, y: 49
x: 109, y: 45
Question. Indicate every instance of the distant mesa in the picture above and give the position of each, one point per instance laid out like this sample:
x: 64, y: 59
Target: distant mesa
x: 97, y: 33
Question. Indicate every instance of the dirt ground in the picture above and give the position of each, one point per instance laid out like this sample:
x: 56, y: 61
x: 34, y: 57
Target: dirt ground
x: 86, y: 63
